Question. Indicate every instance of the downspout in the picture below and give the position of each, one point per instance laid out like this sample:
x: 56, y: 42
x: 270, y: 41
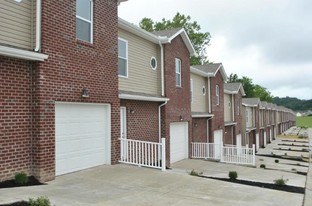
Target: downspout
x: 233, y: 110
x: 38, y: 25
x: 162, y: 69
x: 159, y: 119
x: 209, y: 95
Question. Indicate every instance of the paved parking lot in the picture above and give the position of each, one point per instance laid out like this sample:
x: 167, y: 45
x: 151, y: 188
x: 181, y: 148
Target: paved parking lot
x: 129, y: 185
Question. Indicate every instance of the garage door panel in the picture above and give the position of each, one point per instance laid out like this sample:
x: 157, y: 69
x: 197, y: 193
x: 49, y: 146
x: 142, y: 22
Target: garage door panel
x: 178, y: 141
x: 82, y: 136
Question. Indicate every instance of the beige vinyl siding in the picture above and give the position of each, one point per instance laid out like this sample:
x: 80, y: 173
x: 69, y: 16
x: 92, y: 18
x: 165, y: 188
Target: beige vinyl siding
x: 227, y: 107
x: 249, y: 123
x: 141, y: 77
x: 200, y: 101
x: 16, y: 25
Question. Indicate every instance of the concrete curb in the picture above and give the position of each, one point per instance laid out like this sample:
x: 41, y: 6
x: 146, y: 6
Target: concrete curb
x: 308, y: 192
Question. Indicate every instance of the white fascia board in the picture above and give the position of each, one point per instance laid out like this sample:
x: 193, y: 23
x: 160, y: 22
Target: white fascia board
x: 230, y: 123
x: 22, y: 54
x: 249, y: 105
x: 186, y: 40
x: 123, y: 24
x: 222, y: 73
x: 230, y: 92
x: 143, y: 98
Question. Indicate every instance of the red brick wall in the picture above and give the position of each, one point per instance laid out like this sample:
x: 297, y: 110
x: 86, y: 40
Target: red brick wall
x: 143, y: 123
x: 261, y: 137
x: 199, y: 130
x: 180, y: 98
x: 71, y: 66
x: 217, y: 110
x: 16, y: 117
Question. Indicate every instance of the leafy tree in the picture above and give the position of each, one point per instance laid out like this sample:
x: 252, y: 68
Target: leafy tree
x: 199, y: 40
x: 251, y: 89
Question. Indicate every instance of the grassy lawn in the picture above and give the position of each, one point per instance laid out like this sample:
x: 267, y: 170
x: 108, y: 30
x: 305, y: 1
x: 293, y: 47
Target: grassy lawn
x: 304, y: 121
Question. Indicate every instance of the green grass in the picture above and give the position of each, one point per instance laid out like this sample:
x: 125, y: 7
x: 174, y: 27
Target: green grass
x: 304, y: 121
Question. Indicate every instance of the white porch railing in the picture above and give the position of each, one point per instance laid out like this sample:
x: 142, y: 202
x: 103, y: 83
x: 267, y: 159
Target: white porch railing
x: 239, y: 155
x: 206, y: 150
x: 143, y: 153
x: 228, y: 153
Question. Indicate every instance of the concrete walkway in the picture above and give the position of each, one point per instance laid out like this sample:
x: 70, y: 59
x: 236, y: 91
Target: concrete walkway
x: 308, y: 191
x: 129, y: 185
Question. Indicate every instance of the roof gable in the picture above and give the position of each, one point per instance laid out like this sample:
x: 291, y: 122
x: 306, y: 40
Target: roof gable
x: 234, y: 88
x: 209, y: 70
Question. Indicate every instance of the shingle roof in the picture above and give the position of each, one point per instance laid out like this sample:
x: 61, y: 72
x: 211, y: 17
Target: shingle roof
x: 167, y: 33
x: 263, y: 104
x: 234, y: 87
x: 209, y: 68
x: 251, y: 101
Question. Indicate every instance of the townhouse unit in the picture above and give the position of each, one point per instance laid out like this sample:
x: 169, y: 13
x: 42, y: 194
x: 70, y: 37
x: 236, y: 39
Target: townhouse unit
x: 251, y: 121
x: 285, y: 118
x: 263, y: 121
x: 233, y: 93
x: 207, y: 97
x: 154, y: 87
x: 58, y: 71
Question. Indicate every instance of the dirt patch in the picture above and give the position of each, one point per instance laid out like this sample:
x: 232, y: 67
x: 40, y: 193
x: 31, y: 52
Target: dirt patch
x: 32, y: 181
x: 286, y: 188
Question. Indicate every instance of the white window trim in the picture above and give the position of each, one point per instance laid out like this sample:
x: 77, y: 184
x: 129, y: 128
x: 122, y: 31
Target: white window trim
x: 153, y: 68
x: 192, y: 88
x: 89, y: 21
x: 127, y: 59
x: 218, y: 94
x: 180, y: 73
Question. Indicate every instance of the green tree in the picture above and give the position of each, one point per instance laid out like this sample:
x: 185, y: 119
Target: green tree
x: 199, y: 39
x: 262, y: 93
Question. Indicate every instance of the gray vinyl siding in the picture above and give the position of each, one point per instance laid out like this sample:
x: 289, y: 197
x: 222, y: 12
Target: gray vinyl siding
x: 141, y: 77
x: 200, y: 101
x: 17, y: 23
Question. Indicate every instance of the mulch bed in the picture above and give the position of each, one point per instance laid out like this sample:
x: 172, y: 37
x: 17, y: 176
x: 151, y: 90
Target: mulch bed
x: 11, y: 183
x: 293, y: 145
x: 286, y: 188
x: 299, y: 159
x: 21, y: 203
x: 287, y: 140
x: 292, y: 150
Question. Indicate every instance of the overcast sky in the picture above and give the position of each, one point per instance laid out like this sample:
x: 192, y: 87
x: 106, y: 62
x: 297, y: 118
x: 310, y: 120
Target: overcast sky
x: 269, y: 41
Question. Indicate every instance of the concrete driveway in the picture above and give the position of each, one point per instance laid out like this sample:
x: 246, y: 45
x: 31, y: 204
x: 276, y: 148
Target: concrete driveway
x: 129, y: 185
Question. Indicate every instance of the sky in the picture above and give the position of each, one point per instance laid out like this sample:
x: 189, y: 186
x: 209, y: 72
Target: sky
x: 269, y: 41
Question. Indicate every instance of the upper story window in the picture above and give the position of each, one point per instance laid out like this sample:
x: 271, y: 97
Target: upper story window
x: 204, y: 90
x: 247, y: 116
x: 122, y: 57
x: 153, y: 63
x: 191, y: 88
x: 84, y: 18
x: 217, y: 94
x: 178, y: 72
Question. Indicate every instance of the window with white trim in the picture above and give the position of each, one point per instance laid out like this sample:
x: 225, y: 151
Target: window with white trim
x: 84, y: 20
x: 217, y: 94
x: 178, y: 72
x: 122, y: 57
x: 204, y: 90
x: 247, y: 116
x: 191, y: 87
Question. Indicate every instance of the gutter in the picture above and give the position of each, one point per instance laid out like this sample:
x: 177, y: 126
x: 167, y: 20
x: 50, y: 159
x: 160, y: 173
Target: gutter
x: 159, y: 119
x: 209, y: 95
x: 38, y: 25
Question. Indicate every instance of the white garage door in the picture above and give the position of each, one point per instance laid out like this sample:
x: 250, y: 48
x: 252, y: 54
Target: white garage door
x: 178, y: 141
x: 82, y: 136
x: 218, y: 140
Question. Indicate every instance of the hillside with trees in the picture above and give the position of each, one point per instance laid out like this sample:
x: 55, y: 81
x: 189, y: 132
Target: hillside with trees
x: 293, y: 103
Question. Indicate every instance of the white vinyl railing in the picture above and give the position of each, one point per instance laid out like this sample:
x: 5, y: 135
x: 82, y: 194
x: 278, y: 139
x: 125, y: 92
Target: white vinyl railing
x: 206, y: 150
x: 239, y: 155
x: 228, y: 153
x: 143, y: 153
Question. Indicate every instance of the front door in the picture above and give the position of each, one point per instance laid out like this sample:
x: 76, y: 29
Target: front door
x: 123, y: 133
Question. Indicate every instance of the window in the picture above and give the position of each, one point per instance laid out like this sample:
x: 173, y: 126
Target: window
x: 218, y: 94
x: 178, y: 72
x: 191, y: 86
x: 122, y: 58
x: 153, y: 63
x: 247, y: 117
x: 84, y: 18
x: 204, y: 90
x: 238, y: 108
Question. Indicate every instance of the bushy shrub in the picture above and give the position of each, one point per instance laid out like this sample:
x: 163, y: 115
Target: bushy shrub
x: 40, y: 201
x: 262, y: 166
x: 195, y: 173
x: 276, y: 161
x: 280, y: 182
x: 21, y: 178
x: 233, y: 175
